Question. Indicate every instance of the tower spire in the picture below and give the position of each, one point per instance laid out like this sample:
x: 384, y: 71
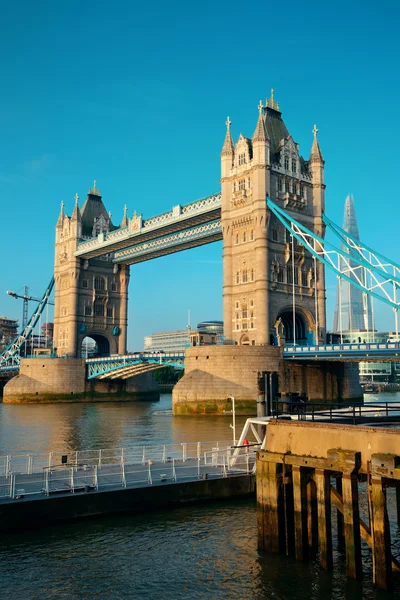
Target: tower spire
x: 316, y: 154
x: 76, y: 214
x: 228, y: 147
x: 61, y: 215
x: 260, y: 134
x: 124, y: 222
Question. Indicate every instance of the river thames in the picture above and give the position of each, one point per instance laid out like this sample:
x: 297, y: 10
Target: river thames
x: 206, y: 551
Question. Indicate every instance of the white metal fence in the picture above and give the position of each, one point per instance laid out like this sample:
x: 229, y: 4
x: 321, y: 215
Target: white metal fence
x: 25, y: 475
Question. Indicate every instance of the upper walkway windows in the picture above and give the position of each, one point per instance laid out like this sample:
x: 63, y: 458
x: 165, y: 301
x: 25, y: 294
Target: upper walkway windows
x: 99, y: 283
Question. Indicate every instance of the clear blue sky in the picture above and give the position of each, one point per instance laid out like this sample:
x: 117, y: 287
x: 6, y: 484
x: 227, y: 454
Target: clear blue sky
x: 136, y: 97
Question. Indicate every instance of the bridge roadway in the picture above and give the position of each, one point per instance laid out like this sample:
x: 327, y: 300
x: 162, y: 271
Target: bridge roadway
x: 180, y: 228
x: 123, y: 367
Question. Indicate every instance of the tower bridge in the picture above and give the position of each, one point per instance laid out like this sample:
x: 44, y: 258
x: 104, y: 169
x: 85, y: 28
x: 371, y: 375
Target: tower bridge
x: 270, y: 216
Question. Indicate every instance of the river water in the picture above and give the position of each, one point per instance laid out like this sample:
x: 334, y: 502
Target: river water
x: 207, y: 551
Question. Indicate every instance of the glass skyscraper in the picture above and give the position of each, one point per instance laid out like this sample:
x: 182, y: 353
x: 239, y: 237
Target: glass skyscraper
x: 353, y: 308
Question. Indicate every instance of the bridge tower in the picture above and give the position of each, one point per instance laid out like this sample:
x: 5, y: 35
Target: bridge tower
x: 265, y: 274
x: 91, y: 296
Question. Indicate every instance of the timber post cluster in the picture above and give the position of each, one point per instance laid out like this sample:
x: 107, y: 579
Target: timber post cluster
x: 299, y: 494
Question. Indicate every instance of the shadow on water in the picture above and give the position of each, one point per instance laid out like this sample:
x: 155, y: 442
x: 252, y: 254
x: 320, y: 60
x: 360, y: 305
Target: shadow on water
x: 207, y: 551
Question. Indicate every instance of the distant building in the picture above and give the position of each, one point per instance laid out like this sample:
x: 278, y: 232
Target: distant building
x: 148, y: 340
x: 8, y: 331
x: 353, y: 307
x: 374, y: 372
x: 207, y: 332
x: 168, y: 341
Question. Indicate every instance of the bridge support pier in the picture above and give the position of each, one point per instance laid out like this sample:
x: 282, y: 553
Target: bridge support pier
x: 64, y: 380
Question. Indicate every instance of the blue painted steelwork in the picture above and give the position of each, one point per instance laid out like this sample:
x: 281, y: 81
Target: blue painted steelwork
x: 9, y: 359
x: 328, y: 254
x: 101, y: 367
x: 371, y: 352
x: 365, y: 251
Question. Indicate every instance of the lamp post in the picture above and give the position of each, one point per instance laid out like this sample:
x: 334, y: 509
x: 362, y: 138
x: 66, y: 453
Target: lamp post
x: 233, y: 425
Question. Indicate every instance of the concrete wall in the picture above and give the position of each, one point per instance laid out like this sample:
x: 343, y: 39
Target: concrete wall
x: 64, y: 380
x: 315, y: 439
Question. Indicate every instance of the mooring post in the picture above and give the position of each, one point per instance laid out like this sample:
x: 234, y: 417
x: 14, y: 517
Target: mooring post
x: 323, y: 485
x: 339, y: 517
x: 300, y: 479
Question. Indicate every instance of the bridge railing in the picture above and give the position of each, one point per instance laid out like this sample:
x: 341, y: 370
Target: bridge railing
x: 348, y: 348
x: 193, y: 461
x: 136, y: 454
x: 353, y: 413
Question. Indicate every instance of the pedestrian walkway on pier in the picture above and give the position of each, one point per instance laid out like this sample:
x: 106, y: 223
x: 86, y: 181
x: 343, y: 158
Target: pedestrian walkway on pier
x: 25, y: 479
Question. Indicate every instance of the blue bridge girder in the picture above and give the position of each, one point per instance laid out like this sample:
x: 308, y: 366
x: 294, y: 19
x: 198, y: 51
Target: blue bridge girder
x: 129, y: 365
x: 370, y: 352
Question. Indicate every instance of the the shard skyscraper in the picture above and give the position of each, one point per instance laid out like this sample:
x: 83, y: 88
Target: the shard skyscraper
x: 353, y: 308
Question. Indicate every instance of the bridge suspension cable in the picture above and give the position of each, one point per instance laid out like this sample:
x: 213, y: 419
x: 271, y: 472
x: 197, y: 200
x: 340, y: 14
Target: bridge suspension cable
x: 352, y: 264
x: 10, y: 357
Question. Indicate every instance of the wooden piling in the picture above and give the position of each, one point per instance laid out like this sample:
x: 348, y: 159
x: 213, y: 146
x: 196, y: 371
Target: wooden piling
x: 339, y: 517
x: 351, y: 518
x: 381, y: 536
x: 323, y: 489
x: 270, y: 505
x: 300, y: 479
x: 312, y: 518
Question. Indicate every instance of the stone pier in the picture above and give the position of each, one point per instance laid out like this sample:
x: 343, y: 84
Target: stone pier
x: 212, y: 373
x: 64, y: 380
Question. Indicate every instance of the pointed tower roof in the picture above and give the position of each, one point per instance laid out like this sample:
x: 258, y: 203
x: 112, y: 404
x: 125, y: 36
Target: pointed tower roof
x: 61, y: 215
x: 228, y: 147
x: 92, y: 209
x: 76, y: 214
x: 260, y: 134
x: 124, y: 222
x: 316, y: 154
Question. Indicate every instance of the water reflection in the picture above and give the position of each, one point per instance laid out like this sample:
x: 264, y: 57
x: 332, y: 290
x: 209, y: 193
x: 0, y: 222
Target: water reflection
x: 68, y: 427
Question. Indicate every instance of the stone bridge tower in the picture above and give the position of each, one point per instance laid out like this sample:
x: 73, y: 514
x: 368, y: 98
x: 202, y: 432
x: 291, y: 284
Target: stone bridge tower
x: 91, y: 296
x: 260, y: 274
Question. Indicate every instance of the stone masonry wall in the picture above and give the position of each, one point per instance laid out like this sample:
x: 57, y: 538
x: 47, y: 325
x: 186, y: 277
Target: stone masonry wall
x: 212, y: 373
x: 41, y: 379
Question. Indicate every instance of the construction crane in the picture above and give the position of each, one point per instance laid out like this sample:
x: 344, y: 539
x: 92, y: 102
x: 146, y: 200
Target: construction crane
x: 26, y: 298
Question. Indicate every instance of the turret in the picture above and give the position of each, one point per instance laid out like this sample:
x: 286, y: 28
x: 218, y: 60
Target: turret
x: 227, y: 152
x: 317, y: 163
x: 61, y: 216
x: 124, y: 222
x: 260, y: 139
